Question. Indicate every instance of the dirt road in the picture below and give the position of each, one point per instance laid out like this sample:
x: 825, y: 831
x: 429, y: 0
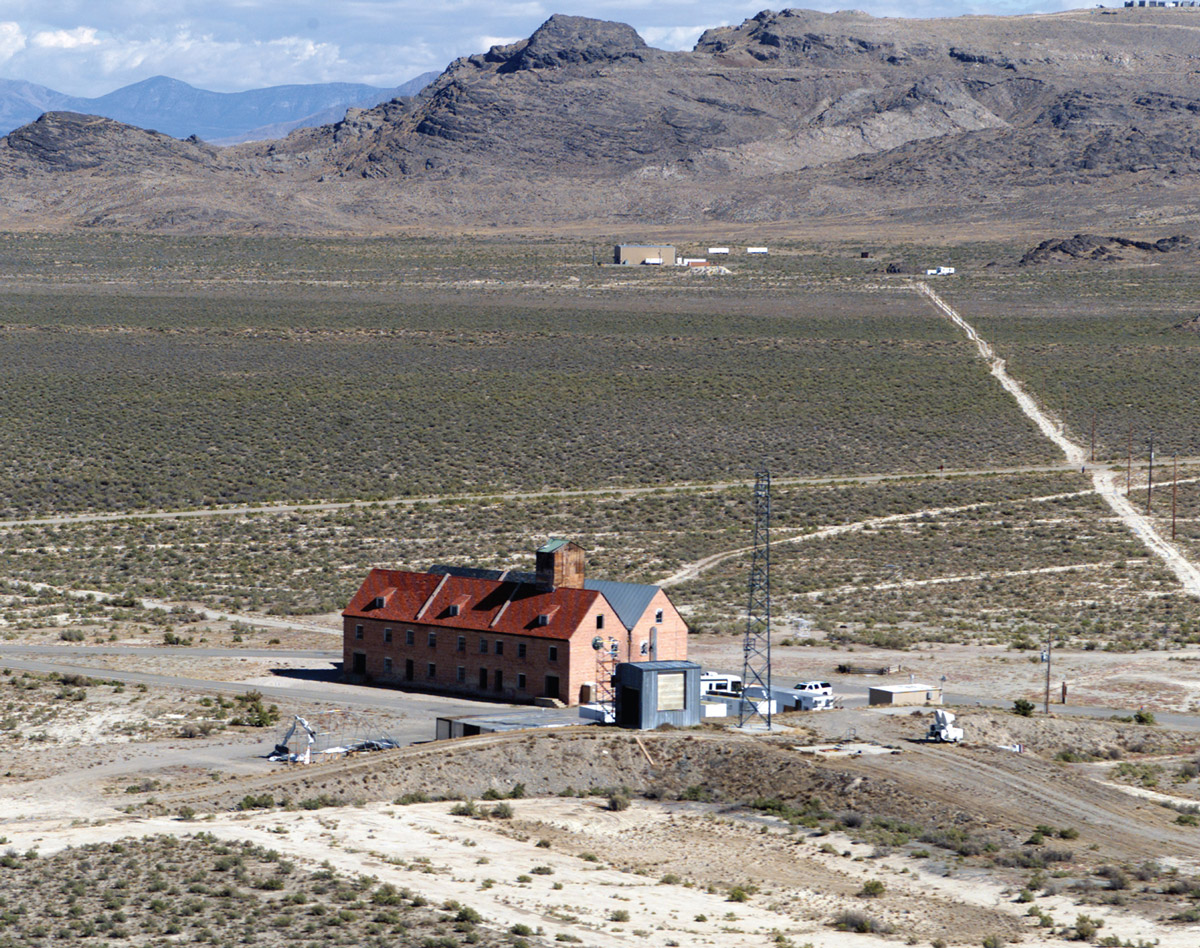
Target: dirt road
x: 1104, y: 480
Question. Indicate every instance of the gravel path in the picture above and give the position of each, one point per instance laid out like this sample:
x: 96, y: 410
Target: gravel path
x: 1141, y: 526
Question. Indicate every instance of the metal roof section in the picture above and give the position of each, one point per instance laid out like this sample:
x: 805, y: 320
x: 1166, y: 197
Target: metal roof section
x: 552, y: 544
x: 629, y: 600
x: 664, y: 665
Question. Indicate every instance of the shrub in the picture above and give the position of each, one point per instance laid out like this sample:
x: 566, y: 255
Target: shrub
x: 872, y: 889
x: 465, y: 808
x: 851, y: 920
x: 619, y: 915
x: 1144, y: 717
x: 501, y: 811
x: 263, y: 801
x: 618, y: 801
x: 1023, y: 707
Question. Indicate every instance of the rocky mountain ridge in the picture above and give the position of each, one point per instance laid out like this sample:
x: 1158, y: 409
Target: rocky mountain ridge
x: 1084, y: 116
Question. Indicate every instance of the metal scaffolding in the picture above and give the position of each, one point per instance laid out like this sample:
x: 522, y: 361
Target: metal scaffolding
x: 756, y: 651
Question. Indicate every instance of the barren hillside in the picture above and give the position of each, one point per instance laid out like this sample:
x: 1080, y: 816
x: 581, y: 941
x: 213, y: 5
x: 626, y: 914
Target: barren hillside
x: 1084, y: 116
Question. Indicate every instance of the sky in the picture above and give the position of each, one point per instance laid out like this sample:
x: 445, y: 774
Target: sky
x: 90, y: 47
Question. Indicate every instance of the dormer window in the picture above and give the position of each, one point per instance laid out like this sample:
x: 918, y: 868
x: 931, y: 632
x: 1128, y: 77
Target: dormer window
x: 453, y: 610
x: 377, y: 602
x: 542, y: 620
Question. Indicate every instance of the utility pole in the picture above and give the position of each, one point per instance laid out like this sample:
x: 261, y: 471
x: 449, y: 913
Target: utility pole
x: 1174, y: 486
x: 1093, y: 436
x: 1150, y: 476
x: 1049, y: 646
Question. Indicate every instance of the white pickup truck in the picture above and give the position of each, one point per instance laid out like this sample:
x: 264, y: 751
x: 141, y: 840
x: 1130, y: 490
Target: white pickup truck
x: 807, y: 696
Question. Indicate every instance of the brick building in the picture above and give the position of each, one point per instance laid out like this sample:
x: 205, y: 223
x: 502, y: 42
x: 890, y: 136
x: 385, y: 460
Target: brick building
x: 505, y: 635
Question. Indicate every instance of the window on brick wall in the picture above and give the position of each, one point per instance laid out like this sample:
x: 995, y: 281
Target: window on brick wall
x: 658, y: 617
x: 520, y: 650
x: 433, y: 640
x: 499, y: 647
x: 387, y: 635
x: 600, y: 621
x: 409, y: 636
x: 387, y: 666
x: 483, y: 646
x: 462, y: 643
x: 358, y: 631
x: 554, y: 653
x: 431, y: 671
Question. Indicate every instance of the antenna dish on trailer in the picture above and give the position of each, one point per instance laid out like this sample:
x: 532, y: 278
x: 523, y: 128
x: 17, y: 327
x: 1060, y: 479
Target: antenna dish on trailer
x: 598, y: 642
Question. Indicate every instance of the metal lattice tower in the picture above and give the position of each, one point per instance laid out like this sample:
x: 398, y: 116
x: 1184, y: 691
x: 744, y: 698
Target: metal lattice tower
x: 756, y: 652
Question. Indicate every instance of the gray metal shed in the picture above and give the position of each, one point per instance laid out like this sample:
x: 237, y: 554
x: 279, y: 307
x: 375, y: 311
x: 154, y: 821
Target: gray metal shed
x: 650, y: 694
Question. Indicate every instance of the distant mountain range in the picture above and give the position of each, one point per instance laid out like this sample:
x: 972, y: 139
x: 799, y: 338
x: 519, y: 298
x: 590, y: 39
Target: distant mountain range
x: 222, y: 118
x: 1086, y: 120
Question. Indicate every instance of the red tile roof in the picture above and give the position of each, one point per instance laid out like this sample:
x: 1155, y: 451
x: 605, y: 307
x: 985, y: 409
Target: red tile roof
x: 480, y: 601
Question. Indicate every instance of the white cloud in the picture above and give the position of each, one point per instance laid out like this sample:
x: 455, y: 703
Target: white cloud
x: 77, y: 38
x: 12, y: 40
x: 487, y: 42
x: 674, y: 37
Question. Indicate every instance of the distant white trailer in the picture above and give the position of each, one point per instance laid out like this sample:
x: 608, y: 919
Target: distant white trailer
x: 757, y: 250
x: 939, y: 271
x: 692, y: 261
x: 717, y: 250
x: 652, y: 262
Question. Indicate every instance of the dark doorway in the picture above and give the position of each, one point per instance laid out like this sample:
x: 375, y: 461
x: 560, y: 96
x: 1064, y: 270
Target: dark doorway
x: 408, y: 669
x: 629, y: 707
x: 359, y: 665
x: 482, y: 679
x: 552, y: 686
x: 498, y: 680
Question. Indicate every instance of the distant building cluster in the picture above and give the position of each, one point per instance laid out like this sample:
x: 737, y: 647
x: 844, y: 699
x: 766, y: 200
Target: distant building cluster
x: 1162, y: 3
x: 663, y: 255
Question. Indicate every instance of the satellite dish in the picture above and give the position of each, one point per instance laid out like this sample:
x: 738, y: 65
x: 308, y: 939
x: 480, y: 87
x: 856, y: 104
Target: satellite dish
x: 598, y: 643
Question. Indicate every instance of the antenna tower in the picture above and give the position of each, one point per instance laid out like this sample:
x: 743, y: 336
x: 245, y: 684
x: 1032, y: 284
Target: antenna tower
x: 756, y: 652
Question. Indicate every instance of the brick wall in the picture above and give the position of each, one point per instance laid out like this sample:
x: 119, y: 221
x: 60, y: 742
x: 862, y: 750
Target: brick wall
x: 573, y: 663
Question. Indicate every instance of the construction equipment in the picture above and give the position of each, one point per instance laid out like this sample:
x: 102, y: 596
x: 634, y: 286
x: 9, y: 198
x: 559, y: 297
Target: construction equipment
x: 942, y: 730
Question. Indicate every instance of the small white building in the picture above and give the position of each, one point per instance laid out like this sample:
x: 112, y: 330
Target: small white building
x: 714, y: 251
x: 939, y: 271
x: 758, y: 250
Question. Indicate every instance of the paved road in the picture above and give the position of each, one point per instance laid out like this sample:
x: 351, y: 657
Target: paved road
x: 83, y: 652
x: 320, y: 684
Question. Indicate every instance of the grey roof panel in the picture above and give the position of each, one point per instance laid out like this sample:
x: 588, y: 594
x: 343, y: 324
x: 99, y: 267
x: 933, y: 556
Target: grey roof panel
x: 630, y: 600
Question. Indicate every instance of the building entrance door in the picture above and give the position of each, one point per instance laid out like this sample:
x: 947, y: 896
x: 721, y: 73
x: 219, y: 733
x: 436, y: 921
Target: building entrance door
x: 552, y: 686
x: 408, y: 669
x: 359, y: 664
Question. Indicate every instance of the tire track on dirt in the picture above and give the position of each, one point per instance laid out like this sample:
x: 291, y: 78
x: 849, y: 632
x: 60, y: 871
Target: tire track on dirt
x: 693, y: 570
x: 1105, y: 481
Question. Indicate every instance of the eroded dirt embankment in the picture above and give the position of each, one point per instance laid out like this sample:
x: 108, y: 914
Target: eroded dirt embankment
x: 980, y: 791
